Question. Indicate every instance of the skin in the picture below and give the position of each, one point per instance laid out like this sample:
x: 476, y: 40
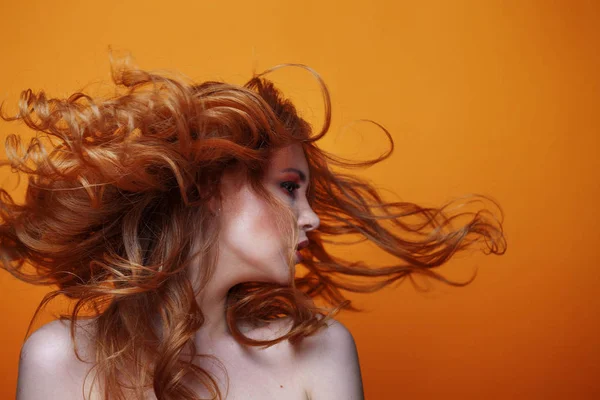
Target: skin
x: 250, y: 247
x: 322, y: 366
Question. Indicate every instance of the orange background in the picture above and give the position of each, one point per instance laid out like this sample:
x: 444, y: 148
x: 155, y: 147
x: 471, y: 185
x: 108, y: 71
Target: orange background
x: 494, y: 97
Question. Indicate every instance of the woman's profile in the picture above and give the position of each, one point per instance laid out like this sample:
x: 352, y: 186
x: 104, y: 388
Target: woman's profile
x: 189, y: 223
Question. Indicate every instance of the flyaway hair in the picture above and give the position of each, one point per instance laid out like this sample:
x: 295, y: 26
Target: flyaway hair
x: 120, y: 187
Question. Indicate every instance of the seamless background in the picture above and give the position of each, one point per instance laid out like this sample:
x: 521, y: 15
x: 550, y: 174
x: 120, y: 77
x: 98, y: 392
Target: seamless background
x: 493, y: 97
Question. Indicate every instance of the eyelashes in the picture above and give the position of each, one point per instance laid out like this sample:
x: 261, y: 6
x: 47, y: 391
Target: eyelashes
x: 290, y: 187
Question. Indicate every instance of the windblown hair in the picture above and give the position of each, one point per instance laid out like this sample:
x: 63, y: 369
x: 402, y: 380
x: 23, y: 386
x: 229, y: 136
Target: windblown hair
x: 112, y: 211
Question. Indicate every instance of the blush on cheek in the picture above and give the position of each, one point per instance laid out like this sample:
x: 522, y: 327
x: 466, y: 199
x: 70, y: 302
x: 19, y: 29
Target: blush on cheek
x: 265, y: 225
x: 251, y: 222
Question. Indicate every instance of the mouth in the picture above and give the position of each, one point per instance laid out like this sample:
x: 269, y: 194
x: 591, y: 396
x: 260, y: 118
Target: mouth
x: 300, y: 246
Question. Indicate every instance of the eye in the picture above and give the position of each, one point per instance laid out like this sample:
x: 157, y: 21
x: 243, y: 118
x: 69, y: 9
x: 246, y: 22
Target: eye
x: 290, y: 187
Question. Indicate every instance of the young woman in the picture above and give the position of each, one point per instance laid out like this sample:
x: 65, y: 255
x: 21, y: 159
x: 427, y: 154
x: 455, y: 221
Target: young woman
x: 174, y: 215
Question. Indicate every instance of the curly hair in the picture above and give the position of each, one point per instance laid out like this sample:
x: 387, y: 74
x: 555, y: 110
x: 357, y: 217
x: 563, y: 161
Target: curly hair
x: 119, y: 188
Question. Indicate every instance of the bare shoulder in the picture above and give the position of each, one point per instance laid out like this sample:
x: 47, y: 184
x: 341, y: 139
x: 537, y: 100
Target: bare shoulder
x: 335, y: 334
x: 53, y: 343
x: 48, y: 365
x: 327, y: 360
x: 332, y: 368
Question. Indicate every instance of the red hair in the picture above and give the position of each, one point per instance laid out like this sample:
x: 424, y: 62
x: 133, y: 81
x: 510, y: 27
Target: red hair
x: 112, y: 209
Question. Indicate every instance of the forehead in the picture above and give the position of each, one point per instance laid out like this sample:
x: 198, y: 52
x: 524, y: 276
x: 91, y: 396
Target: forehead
x: 289, y: 156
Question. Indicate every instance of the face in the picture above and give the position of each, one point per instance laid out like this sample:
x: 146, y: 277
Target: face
x: 250, y: 242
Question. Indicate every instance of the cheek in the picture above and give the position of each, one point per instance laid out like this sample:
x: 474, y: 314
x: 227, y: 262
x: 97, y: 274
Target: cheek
x: 251, y: 231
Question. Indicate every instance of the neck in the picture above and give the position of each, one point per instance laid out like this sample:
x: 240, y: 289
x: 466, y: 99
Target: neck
x: 212, y: 298
x: 212, y: 301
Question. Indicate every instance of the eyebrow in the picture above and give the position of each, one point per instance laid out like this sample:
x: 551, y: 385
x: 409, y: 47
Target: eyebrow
x: 300, y: 173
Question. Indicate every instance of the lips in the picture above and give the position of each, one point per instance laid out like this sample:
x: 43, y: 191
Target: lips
x: 302, y: 244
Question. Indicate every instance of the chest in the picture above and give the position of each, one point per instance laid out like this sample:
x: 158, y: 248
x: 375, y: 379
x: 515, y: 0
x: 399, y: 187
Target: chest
x: 247, y: 381
x: 248, y: 373
x: 254, y: 373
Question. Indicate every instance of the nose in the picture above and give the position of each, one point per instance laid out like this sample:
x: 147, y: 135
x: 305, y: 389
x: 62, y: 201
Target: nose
x: 308, y: 219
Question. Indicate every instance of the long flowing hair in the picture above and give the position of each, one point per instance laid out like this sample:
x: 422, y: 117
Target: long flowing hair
x: 119, y: 191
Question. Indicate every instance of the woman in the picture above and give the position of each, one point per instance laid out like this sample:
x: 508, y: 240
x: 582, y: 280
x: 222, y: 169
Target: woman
x: 174, y: 215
